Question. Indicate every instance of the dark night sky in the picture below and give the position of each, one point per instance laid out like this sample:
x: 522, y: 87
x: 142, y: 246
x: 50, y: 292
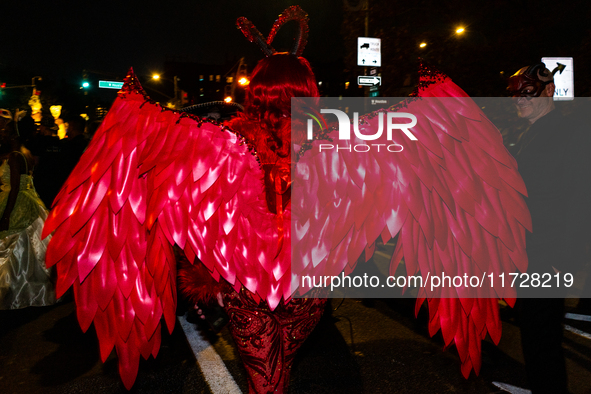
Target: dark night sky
x: 58, y: 39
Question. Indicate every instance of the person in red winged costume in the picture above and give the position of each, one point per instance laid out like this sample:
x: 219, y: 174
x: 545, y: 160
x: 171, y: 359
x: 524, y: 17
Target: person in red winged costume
x: 153, y: 178
x: 268, y: 332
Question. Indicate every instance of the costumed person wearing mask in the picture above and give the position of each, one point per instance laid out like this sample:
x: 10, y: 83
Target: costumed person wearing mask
x: 24, y: 279
x: 259, y: 331
x: 152, y: 178
x: 554, y: 161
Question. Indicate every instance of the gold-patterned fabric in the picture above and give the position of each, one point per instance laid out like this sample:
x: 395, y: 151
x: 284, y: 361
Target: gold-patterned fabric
x: 24, y: 279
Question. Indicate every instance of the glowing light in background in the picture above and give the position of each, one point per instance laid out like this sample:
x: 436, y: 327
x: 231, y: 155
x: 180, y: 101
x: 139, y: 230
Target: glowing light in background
x: 56, y: 111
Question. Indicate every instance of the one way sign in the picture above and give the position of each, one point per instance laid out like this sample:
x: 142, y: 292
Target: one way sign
x: 364, y: 80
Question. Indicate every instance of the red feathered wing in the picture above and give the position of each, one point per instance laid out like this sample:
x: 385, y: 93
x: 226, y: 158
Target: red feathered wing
x: 152, y: 178
x: 453, y: 197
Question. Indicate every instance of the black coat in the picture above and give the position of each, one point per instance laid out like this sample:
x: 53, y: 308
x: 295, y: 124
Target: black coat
x: 554, y: 159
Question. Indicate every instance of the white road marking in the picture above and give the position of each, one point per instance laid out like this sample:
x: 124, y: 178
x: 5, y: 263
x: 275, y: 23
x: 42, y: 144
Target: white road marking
x: 511, y: 389
x: 214, y: 370
x: 574, y: 316
x: 577, y: 331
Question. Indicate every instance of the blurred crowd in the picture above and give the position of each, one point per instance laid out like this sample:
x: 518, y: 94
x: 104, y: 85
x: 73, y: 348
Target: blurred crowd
x: 54, y: 157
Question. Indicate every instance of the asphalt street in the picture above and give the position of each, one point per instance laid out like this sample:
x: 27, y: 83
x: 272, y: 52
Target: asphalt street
x: 359, y: 346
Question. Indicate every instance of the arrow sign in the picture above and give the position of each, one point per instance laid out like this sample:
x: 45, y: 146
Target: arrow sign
x: 562, y: 68
x: 364, y: 80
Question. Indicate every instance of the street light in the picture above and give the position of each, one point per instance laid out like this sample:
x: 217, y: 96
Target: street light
x: 422, y: 44
x: 240, y: 78
x: 460, y: 30
x: 176, y: 100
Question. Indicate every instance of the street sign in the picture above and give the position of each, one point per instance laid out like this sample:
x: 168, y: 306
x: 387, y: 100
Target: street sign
x: 564, y: 81
x: 379, y: 102
x: 369, y: 51
x: 110, y: 84
x: 365, y: 80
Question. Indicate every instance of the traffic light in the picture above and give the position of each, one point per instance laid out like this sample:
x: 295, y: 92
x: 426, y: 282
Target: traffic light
x: 85, y: 84
x: 2, y: 86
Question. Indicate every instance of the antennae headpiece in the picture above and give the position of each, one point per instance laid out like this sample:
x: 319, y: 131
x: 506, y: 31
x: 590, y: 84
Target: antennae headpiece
x: 293, y: 13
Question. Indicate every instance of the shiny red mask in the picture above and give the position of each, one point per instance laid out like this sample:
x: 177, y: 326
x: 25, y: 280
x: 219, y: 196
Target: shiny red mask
x: 527, y: 83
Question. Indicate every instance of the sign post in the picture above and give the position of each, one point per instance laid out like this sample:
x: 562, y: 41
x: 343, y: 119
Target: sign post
x: 365, y: 80
x: 564, y: 80
x: 369, y: 51
x: 110, y: 84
